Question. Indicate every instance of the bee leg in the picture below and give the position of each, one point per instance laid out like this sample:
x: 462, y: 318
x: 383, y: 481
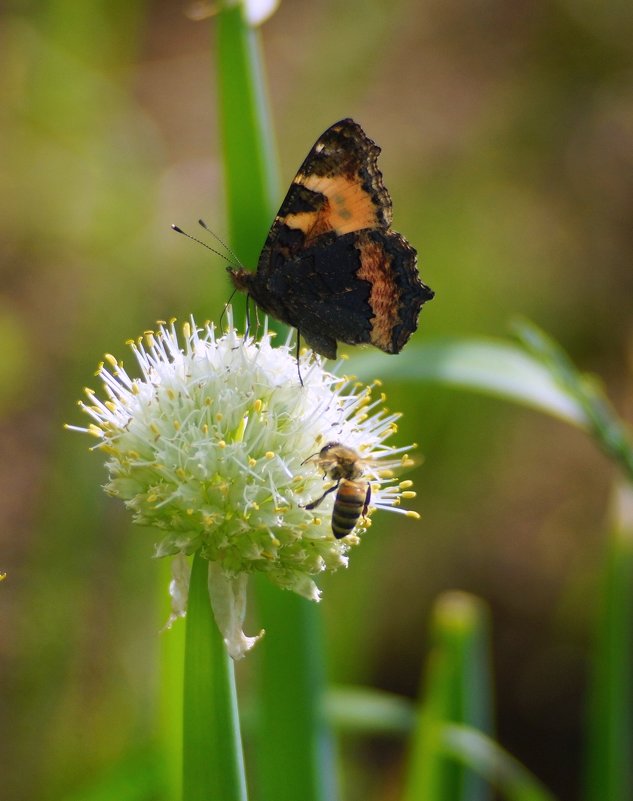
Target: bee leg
x: 316, y: 503
x: 367, y: 500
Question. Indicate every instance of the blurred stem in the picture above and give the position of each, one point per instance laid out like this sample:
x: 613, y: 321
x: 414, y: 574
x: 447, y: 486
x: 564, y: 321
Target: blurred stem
x: 249, y: 160
x: 294, y: 749
x: 610, y: 735
x: 457, y: 690
x: 294, y: 753
x: 213, y: 766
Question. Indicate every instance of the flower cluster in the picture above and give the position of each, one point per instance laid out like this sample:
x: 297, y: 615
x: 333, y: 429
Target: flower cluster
x: 211, y: 446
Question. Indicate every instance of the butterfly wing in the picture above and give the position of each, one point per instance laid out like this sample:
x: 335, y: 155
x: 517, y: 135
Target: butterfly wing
x: 337, y: 190
x: 331, y: 267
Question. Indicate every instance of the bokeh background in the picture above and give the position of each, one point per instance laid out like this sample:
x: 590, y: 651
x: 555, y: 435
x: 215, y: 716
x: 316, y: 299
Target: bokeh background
x: 507, y: 136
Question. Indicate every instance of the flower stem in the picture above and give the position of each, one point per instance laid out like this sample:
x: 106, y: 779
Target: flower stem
x: 213, y: 765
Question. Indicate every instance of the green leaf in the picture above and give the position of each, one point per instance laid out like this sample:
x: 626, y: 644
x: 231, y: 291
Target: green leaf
x: 482, y: 365
x: 368, y: 711
x: 481, y: 754
x: 457, y: 688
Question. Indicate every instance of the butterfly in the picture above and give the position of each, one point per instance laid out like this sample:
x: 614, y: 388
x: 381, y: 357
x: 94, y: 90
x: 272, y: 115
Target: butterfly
x: 331, y: 266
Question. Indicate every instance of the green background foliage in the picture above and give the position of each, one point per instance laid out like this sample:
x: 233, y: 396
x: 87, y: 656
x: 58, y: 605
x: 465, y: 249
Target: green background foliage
x: 506, y: 135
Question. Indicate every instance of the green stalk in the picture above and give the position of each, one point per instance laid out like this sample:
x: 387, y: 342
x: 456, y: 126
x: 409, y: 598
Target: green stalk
x: 457, y: 690
x: 294, y: 748
x: 249, y: 159
x: 172, y: 645
x: 610, y: 734
x: 213, y: 765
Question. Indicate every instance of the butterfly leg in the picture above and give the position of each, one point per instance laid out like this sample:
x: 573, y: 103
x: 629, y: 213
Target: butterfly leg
x: 248, y: 316
x: 226, y: 306
x: 367, y: 499
x: 298, y: 348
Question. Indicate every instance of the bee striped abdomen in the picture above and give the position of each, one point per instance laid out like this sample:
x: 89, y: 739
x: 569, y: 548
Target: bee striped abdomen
x: 352, y: 499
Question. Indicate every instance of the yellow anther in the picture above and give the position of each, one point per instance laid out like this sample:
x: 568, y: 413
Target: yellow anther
x: 219, y: 417
x: 405, y: 484
x: 414, y: 515
x: 186, y: 330
x: 222, y: 444
x: 269, y: 455
x: 409, y: 494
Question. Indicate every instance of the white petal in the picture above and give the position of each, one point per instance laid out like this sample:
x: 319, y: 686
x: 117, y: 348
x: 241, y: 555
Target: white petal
x: 259, y: 10
x: 228, y: 601
x: 178, y: 588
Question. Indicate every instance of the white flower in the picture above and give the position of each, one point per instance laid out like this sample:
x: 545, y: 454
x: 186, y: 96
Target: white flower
x: 210, y: 445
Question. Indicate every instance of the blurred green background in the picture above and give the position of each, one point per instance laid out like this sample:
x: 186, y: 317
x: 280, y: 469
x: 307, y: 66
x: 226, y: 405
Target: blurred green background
x: 507, y: 136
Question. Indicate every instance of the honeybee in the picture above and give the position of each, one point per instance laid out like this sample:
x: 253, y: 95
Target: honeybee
x: 353, y: 493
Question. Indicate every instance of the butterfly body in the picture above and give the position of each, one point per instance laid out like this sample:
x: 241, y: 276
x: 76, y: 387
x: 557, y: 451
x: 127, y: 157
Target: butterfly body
x: 331, y: 266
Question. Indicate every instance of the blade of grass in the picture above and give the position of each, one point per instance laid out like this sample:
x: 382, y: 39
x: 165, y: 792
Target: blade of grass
x: 540, y: 375
x: 610, y: 733
x: 213, y: 766
x: 457, y: 689
x: 483, y: 365
x: 480, y: 753
x: 368, y: 711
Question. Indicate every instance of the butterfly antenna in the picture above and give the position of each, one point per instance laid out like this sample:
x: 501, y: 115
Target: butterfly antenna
x: 204, y: 244
x: 203, y: 224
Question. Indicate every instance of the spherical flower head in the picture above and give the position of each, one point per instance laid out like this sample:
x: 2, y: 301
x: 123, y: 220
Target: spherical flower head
x: 212, y: 446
